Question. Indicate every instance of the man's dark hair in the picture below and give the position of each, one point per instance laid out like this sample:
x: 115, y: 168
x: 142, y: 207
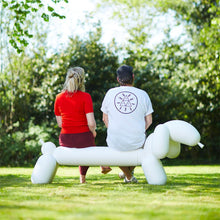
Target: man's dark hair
x: 125, y: 74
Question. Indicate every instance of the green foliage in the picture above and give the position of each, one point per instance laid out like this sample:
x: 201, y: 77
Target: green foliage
x: 180, y: 89
x: 182, y: 81
x: 202, y: 78
x: 20, y: 12
x: 22, y: 148
x: 30, y: 84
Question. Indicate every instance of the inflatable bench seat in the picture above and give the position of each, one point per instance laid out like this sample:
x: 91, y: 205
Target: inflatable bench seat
x: 163, y: 142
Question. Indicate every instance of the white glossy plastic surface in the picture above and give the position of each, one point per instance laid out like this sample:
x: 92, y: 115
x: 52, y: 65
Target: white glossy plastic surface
x: 95, y: 156
x: 183, y: 132
x: 44, y: 170
x: 163, y: 142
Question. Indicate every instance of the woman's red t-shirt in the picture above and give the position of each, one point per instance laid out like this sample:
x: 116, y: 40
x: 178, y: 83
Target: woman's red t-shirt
x: 73, y: 109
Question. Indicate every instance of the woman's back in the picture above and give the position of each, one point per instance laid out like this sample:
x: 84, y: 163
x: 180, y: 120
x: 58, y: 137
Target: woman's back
x: 73, y: 108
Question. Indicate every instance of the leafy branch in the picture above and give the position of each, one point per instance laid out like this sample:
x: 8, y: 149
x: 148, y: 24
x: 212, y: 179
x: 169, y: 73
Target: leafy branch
x: 18, y: 37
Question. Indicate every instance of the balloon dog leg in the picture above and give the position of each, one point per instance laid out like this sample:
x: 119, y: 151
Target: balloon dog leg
x: 46, y: 166
x: 44, y: 170
x: 153, y: 170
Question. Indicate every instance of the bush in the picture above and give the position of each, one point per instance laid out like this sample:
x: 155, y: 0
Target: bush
x: 22, y: 148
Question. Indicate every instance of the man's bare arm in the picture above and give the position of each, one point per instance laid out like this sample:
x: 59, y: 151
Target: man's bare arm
x: 105, y: 119
x: 148, y: 121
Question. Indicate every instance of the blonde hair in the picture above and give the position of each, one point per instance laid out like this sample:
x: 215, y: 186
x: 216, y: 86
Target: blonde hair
x: 74, y: 80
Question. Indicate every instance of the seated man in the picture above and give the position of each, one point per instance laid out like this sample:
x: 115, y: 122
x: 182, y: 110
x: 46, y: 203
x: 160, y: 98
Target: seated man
x: 127, y: 114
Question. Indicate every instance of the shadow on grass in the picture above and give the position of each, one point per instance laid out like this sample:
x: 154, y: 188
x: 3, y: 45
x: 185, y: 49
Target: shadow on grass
x: 14, y: 180
x: 196, y: 183
x: 191, y: 184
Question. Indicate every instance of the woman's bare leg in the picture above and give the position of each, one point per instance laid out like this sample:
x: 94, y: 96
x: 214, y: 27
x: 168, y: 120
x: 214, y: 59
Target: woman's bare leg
x: 82, y: 178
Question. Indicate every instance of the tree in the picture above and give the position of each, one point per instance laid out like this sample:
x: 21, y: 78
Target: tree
x: 188, y: 75
x: 202, y: 22
x: 37, y: 79
x: 18, y: 33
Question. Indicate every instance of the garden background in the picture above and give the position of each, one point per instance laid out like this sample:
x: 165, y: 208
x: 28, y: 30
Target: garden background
x: 181, y: 75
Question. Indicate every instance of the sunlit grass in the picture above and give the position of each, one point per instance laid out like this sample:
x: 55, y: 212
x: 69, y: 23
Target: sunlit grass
x: 192, y: 192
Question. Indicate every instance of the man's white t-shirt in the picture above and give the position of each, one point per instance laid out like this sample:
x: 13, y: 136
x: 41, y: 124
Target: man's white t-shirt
x: 126, y: 107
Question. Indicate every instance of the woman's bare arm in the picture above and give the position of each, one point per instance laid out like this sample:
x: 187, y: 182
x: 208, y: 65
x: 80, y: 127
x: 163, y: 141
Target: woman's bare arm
x: 59, y: 121
x: 91, y: 122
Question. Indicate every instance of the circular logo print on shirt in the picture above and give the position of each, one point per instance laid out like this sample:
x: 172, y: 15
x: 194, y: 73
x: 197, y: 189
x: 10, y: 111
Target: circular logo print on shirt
x: 126, y: 102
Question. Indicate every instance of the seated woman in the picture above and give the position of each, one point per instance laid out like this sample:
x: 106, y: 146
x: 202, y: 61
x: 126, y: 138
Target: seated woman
x: 74, y: 114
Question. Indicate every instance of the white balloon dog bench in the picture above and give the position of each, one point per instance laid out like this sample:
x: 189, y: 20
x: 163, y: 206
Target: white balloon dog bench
x: 163, y: 142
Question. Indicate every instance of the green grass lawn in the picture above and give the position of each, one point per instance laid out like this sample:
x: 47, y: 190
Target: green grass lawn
x: 192, y: 192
